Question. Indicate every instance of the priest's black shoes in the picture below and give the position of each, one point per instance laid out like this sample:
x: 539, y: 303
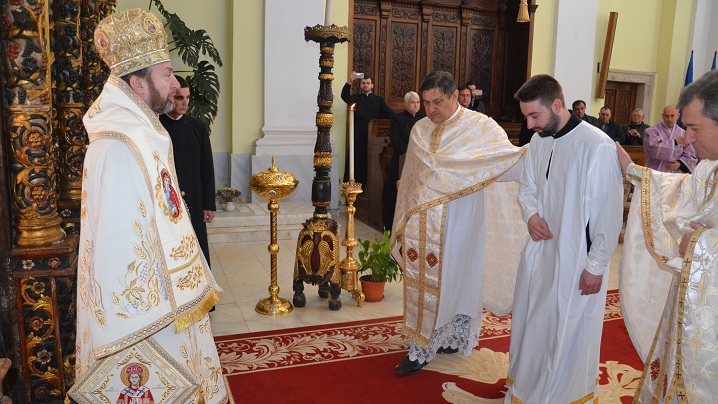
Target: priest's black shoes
x: 449, y: 350
x: 408, y: 367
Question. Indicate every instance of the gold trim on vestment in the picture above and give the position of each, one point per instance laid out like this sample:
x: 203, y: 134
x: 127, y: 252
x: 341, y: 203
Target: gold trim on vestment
x: 197, y: 312
x: 646, y: 214
x: 186, y: 264
x: 446, y: 199
x: 678, y: 385
x: 677, y: 382
x: 438, y: 131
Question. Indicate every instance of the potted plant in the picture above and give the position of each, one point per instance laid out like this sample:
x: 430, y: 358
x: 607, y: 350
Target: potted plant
x: 379, y: 266
x: 228, y: 196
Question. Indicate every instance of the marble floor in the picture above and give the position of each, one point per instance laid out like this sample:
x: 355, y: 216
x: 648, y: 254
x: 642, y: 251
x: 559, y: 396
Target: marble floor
x: 242, y: 269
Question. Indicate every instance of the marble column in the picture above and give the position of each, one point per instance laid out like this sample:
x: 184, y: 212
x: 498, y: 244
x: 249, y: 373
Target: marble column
x: 290, y: 102
x: 574, y: 41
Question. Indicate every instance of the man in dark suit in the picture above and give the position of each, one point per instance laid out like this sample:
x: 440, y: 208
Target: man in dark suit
x: 193, y: 162
x: 476, y: 104
x: 611, y: 128
x: 399, y: 131
x: 579, y: 108
x: 369, y: 106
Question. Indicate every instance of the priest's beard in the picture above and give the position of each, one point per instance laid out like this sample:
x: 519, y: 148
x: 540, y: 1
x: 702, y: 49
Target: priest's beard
x: 157, y: 104
x: 551, y: 126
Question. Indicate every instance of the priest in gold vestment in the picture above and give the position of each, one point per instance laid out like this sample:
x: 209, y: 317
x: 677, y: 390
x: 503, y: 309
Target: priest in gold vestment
x: 458, y: 230
x: 144, y: 287
x: 669, y: 268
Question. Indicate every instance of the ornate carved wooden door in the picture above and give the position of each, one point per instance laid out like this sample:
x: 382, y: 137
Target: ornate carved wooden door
x: 621, y: 98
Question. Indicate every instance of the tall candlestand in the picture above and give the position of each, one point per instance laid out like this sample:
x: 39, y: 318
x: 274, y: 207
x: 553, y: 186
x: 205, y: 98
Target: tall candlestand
x: 317, y: 260
x: 273, y: 185
x: 349, y: 265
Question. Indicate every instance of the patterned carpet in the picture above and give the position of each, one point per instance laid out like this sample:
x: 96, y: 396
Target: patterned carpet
x: 354, y: 363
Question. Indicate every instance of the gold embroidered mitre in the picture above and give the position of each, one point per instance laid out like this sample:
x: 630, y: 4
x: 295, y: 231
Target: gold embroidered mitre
x: 131, y: 40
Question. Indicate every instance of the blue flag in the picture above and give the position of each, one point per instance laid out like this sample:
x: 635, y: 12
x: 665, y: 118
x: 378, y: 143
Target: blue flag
x: 689, y: 80
x: 689, y: 72
x: 713, y: 67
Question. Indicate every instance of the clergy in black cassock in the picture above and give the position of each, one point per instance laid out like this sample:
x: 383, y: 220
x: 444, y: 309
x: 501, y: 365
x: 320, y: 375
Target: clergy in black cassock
x: 193, y: 162
x: 399, y: 132
x: 369, y: 106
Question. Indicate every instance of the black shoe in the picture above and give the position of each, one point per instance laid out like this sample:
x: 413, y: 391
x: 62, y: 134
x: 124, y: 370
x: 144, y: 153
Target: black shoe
x: 449, y: 350
x: 408, y: 367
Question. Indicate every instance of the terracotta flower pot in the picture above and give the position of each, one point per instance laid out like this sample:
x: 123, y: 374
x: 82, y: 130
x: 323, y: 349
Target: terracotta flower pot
x: 373, y: 291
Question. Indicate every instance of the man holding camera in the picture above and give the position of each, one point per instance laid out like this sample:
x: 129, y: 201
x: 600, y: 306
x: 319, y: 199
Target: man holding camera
x: 369, y: 106
x: 476, y: 104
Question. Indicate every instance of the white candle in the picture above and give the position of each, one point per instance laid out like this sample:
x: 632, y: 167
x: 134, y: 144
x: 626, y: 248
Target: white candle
x: 328, y: 13
x: 351, y: 143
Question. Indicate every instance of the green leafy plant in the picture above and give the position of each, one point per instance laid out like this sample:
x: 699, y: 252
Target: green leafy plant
x: 204, y: 82
x: 375, y: 258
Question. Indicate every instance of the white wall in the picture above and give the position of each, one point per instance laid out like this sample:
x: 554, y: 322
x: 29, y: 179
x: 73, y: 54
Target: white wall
x: 575, y: 36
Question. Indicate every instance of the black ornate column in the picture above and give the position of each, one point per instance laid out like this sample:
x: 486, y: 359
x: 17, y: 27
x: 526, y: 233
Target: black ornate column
x: 318, y: 246
x: 68, y: 97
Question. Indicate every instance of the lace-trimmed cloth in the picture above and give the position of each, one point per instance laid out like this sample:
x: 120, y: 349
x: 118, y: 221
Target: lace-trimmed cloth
x: 462, y: 334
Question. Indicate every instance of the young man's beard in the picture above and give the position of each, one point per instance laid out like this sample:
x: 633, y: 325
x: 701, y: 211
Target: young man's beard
x: 157, y: 104
x: 551, y: 126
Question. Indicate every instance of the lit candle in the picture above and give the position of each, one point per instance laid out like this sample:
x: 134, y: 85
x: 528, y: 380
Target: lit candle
x: 351, y: 142
x: 328, y: 13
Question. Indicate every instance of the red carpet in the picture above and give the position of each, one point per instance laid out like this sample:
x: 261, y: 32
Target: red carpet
x: 354, y: 363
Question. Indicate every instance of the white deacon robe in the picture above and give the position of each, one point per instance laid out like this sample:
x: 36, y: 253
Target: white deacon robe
x: 669, y: 301
x: 555, y: 331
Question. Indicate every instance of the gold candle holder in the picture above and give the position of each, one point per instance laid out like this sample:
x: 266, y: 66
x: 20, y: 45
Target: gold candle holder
x: 273, y: 185
x: 349, y: 266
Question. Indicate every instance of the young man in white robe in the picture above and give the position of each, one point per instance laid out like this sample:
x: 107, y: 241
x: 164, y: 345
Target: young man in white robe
x: 669, y: 267
x: 144, y: 287
x: 457, y: 229
x: 571, y: 198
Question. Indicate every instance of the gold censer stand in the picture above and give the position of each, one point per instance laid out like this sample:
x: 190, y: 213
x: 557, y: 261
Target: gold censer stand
x: 273, y: 185
x: 349, y: 266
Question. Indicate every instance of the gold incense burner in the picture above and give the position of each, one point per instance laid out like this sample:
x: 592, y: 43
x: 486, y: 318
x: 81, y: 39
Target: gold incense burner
x: 274, y: 185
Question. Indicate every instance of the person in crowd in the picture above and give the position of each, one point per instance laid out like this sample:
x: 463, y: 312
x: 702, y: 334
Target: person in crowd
x: 192, y: 153
x: 457, y: 225
x: 579, y: 108
x: 476, y: 94
x: 464, y: 96
x: 399, y: 131
x: 676, y: 253
x: 634, y: 130
x: 144, y: 289
x: 665, y: 146
x: 571, y: 198
x: 609, y: 127
x: 369, y: 106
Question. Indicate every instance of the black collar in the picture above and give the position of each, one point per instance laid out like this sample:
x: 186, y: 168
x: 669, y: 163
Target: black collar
x: 573, y: 121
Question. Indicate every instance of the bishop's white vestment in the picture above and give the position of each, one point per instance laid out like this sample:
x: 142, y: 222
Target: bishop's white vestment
x: 669, y: 301
x: 573, y: 181
x: 457, y: 230
x: 144, y: 287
